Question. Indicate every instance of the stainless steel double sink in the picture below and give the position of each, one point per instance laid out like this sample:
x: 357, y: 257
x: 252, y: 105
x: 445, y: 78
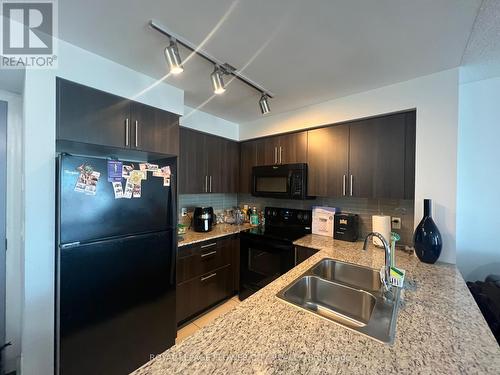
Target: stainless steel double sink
x: 347, y: 294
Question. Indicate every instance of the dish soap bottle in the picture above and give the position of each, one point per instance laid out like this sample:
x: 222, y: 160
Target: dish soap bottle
x: 254, y: 218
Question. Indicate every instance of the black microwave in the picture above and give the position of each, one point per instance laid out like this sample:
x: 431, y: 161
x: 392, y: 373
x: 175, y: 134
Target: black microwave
x: 288, y: 181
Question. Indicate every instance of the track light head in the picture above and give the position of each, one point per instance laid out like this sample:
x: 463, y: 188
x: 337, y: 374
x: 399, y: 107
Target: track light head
x: 218, y: 81
x: 264, y: 104
x: 174, y: 58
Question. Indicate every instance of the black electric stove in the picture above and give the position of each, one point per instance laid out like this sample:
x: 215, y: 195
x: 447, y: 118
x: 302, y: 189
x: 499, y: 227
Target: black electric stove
x: 267, y: 252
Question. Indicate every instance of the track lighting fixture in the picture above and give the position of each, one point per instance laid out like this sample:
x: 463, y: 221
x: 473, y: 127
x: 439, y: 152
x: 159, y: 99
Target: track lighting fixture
x: 218, y: 81
x: 221, y: 69
x: 173, y: 57
x: 264, y: 104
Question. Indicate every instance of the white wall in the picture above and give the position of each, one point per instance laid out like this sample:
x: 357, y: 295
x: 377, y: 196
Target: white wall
x: 436, y: 99
x: 478, y: 218
x: 208, y: 123
x: 14, y: 214
x: 39, y: 125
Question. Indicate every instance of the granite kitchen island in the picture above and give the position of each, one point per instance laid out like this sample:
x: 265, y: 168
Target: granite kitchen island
x: 439, y: 329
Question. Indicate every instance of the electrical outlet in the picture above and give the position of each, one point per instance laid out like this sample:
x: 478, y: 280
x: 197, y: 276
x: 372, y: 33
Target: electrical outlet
x: 396, y: 222
x: 184, y: 211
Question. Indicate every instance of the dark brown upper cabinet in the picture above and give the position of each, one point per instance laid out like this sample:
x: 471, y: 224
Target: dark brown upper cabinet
x: 207, y: 164
x: 154, y: 129
x: 378, y: 159
x: 91, y: 116
x: 193, y: 177
x: 328, y: 161
x: 373, y: 158
x: 282, y: 149
x: 248, y: 159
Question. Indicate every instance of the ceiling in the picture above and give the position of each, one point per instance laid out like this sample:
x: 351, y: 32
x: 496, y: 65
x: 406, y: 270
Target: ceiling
x: 304, y: 52
x: 481, y: 59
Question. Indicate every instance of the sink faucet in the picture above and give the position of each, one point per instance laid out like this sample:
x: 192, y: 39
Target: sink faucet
x: 388, y: 262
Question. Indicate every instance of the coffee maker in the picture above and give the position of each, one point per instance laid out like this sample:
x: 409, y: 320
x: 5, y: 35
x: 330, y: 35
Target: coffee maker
x: 203, y: 219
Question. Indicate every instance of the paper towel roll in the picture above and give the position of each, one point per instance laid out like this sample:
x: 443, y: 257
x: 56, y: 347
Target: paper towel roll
x: 382, y: 225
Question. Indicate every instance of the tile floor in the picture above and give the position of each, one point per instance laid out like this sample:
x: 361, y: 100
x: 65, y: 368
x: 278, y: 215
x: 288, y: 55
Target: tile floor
x: 205, y: 319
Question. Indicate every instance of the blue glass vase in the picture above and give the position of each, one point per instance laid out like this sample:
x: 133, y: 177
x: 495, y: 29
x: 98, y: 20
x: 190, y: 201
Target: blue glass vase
x: 427, y: 239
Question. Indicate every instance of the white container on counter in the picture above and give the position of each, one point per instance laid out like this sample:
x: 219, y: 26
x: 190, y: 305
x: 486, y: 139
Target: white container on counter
x: 322, y: 220
x: 382, y: 225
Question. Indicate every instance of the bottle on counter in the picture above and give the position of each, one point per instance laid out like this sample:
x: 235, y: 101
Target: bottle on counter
x: 254, y: 217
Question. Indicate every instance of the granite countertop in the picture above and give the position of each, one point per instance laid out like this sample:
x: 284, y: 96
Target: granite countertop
x: 219, y: 230
x: 439, y: 329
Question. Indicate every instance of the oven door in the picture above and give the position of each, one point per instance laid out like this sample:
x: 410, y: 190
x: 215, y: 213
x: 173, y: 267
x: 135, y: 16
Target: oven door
x: 272, y: 181
x: 262, y: 260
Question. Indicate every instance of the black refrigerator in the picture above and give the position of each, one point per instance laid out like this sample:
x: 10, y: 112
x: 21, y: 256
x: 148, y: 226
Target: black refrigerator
x: 115, y: 263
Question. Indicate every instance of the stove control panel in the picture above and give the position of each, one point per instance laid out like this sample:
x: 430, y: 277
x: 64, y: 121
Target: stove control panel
x: 277, y: 216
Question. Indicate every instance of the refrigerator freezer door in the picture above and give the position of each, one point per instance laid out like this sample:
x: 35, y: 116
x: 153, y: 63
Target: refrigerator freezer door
x: 117, y: 304
x: 85, y: 218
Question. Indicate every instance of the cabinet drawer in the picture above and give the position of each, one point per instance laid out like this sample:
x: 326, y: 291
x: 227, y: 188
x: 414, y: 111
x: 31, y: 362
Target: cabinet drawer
x: 200, y: 293
x: 199, y: 259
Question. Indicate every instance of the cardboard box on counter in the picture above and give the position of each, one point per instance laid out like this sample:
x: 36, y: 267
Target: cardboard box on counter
x: 322, y: 220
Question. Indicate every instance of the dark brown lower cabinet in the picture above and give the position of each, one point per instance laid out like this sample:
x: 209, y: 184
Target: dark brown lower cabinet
x: 303, y: 253
x: 195, y: 295
x: 207, y: 273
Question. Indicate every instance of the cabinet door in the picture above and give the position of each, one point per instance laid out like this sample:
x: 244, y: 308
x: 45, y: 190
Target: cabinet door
x: 154, y: 130
x: 292, y: 148
x: 91, y: 116
x: 328, y: 161
x: 410, y: 155
x: 267, y: 150
x: 248, y: 159
x: 213, y: 153
x: 200, y: 293
x: 192, y: 163
x: 229, y: 168
x: 303, y: 253
x: 377, y: 157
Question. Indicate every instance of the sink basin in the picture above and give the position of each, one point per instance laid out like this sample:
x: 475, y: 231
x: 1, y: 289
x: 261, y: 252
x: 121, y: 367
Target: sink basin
x: 356, y: 276
x: 332, y: 301
x: 348, y: 295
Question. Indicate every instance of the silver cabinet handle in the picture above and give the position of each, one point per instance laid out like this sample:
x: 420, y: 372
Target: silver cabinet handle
x: 281, y: 155
x: 208, y: 254
x: 136, y: 133
x: 276, y: 155
x: 350, y: 192
x: 206, y: 184
x: 295, y: 255
x: 208, y: 245
x: 127, y: 131
x: 210, y: 179
x: 343, y: 185
x: 208, y: 277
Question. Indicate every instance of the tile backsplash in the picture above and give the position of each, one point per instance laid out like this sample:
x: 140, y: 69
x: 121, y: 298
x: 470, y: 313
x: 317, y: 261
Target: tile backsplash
x: 219, y: 202
x: 364, y: 207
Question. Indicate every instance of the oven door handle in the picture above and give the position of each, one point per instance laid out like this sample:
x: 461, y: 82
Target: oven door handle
x: 264, y: 244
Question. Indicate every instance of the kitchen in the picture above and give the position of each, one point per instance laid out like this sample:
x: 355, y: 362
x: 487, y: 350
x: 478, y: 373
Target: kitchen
x: 199, y: 198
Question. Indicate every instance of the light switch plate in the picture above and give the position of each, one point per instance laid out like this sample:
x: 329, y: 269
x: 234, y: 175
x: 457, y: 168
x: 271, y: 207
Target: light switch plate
x: 396, y: 222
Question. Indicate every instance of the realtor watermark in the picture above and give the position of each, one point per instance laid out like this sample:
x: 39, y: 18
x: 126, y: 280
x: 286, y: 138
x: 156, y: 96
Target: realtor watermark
x: 29, y: 34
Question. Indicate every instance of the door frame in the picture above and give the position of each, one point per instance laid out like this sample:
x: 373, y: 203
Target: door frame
x: 3, y: 226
